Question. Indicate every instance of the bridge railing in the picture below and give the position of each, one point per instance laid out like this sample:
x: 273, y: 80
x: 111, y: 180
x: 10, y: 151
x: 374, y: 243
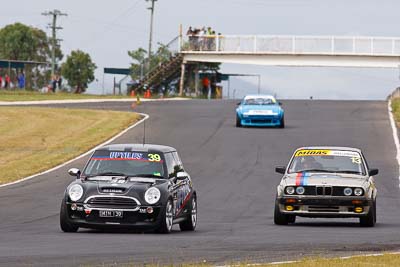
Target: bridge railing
x: 318, y: 45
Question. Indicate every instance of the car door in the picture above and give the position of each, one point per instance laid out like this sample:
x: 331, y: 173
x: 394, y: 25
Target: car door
x: 181, y: 188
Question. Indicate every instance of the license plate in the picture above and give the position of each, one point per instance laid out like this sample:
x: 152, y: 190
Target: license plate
x: 111, y: 213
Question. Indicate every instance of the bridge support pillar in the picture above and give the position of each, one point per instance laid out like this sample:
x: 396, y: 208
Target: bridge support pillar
x: 196, y: 81
x: 182, y: 81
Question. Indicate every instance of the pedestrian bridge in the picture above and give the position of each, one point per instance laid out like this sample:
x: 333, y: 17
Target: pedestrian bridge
x: 303, y: 51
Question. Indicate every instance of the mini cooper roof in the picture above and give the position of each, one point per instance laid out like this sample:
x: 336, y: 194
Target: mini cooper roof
x: 138, y: 148
x: 331, y: 147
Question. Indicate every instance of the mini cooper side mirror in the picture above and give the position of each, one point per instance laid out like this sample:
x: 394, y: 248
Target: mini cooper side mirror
x: 238, y: 103
x: 280, y: 103
x: 74, y: 172
x: 280, y: 169
x: 373, y: 172
x: 181, y: 176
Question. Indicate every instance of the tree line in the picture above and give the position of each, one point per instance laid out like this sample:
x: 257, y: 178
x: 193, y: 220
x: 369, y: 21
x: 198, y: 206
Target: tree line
x: 20, y: 42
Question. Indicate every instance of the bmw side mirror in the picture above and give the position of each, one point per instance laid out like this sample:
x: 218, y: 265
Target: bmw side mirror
x: 182, y: 176
x: 280, y: 169
x: 373, y: 172
x: 74, y: 172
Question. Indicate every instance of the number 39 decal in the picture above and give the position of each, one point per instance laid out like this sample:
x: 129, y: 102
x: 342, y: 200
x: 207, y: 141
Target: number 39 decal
x: 154, y: 157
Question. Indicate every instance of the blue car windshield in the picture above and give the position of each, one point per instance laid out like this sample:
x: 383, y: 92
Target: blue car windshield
x: 259, y: 101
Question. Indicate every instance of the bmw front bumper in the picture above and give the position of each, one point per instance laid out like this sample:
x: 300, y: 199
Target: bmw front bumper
x: 335, y: 207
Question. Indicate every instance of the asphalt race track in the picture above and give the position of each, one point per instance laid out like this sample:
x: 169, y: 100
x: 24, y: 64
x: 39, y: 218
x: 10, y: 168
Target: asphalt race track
x: 233, y: 172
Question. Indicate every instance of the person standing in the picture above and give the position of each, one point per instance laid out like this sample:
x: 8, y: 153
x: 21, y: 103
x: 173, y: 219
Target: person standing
x: 21, y: 80
x: 54, y: 84
x: 1, y: 81
x: 59, y: 82
x: 206, y: 85
x: 7, y: 81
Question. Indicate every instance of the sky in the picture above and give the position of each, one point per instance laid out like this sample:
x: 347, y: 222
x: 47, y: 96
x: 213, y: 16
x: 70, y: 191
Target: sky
x: 108, y: 29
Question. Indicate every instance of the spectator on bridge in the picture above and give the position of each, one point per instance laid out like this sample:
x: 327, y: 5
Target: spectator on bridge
x: 190, y: 33
x: 1, y: 81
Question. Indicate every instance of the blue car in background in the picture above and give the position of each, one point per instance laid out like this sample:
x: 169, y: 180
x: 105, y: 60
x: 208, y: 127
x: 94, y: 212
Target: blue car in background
x: 260, y: 110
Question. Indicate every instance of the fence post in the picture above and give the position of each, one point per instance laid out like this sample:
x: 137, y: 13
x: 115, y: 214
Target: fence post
x: 332, y: 45
x: 293, y: 44
x: 255, y: 44
x: 372, y: 45
x: 217, y: 43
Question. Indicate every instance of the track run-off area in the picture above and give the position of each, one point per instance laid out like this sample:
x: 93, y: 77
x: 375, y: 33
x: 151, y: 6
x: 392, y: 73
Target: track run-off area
x: 233, y: 171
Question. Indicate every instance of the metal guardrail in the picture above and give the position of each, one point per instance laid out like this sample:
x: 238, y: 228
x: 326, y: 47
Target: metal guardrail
x: 309, y: 45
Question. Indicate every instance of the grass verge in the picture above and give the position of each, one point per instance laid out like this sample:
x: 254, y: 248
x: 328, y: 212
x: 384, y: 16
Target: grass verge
x: 22, y: 95
x: 396, y: 109
x: 36, y: 139
x: 357, y: 261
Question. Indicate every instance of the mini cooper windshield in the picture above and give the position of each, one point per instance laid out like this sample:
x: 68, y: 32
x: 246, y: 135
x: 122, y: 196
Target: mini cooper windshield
x: 337, y: 161
x: 122, y: 163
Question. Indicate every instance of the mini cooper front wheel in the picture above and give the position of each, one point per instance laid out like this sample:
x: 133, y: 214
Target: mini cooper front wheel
x: 166, y: 219
x: 191, y: 222
x: 65, y: 224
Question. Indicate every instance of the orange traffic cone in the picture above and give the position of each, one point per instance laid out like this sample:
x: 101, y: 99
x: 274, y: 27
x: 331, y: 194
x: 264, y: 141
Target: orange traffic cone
x: 133, y: 93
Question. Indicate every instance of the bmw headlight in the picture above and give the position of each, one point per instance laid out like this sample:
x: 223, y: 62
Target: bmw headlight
x: 289, y: 190
x: 152, y: 195
x: 75, y: 192
x: 348, y: 191
x: 358, y: 191
x: 300, y: 190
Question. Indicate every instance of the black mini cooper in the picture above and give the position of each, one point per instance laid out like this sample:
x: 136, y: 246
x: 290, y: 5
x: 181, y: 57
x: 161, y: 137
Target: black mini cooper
x: 130, y: 186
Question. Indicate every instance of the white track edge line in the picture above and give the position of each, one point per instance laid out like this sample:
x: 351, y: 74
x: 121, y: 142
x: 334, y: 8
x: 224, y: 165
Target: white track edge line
x: 395, y: 136
x: 77, y: 101
x: 145, y: 117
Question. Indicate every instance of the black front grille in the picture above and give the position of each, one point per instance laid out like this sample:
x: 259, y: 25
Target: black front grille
x: 324, y: 191
x: 112, y: 202
x: 112, y: 190
x: 261, y: 121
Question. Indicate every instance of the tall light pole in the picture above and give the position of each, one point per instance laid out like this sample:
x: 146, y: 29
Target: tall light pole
x: 55, y: 13
x: 151, y: 30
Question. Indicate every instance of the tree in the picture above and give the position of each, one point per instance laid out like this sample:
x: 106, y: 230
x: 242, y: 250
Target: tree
x: 21, y: 42
x: 78, y: 69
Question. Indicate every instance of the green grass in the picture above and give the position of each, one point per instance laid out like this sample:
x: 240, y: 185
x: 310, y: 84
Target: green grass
x: 396, y: 109
x: 36, y: 139
x: 22, y: 95
x: 358, y: 261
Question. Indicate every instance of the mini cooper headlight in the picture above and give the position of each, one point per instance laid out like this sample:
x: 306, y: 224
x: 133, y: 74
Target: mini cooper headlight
x: 358, y: 191
x: 289, y: 190
x: 348, y: 191
x: 300, y: 190
x: 152, y: 195
x: 75, y: 192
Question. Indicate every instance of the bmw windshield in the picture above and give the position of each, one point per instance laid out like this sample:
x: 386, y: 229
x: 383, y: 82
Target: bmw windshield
x: 121, y: 163
x: 325, y: 160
